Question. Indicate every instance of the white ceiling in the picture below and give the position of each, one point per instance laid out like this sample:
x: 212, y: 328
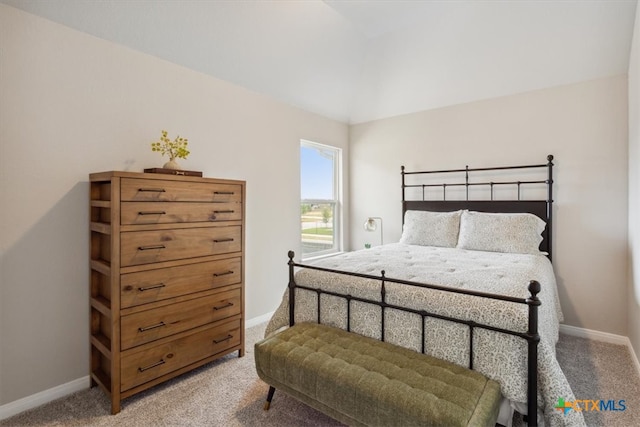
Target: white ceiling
x: 357, y: 61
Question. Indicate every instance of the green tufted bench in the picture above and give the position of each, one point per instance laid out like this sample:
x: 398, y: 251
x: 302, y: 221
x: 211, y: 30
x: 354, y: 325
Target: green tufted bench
x: 363, y: 381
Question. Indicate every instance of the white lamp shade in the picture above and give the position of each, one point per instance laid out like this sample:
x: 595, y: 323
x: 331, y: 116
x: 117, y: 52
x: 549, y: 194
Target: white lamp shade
x: 370, y: 225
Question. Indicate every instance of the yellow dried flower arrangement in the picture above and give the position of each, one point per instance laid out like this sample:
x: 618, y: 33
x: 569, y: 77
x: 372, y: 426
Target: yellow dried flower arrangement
x: 175, y: 149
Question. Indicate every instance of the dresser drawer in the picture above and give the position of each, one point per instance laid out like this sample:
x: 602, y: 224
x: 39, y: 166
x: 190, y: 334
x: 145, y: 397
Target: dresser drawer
x: 163, y: 283
x: 150, y: 325
x: 178, y: 212
x: 153, y: 190
x: 138, y: 367
x: 144, y: 247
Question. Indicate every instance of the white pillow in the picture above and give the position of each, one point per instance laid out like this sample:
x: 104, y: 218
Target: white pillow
x: 501, y: 232
x: 427, y: 228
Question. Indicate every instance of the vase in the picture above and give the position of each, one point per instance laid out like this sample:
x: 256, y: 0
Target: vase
x: 171, y: 164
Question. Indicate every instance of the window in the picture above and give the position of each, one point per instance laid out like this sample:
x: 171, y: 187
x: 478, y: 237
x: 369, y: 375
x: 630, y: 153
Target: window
x: 320, y: 200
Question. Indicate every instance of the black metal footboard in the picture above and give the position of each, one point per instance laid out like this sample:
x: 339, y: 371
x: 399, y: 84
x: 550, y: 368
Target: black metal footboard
x: 531, y: 336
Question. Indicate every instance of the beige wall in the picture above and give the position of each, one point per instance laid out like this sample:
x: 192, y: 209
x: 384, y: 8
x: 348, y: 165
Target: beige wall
x: 634, y: 189
x: 583, y: 125
x: 72, y: 104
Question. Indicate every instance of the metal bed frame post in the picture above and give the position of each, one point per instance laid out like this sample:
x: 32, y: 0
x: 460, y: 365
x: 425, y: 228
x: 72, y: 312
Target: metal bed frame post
x: 466, y: 182
x: 383, y: 305
x: 292, y: 292
x: 403, y: 188
x: 550, y: 204
x: 532, y: 358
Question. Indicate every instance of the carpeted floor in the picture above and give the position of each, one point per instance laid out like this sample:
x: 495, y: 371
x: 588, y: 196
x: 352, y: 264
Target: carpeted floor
x: 601, y: 371
x: 228, y: 393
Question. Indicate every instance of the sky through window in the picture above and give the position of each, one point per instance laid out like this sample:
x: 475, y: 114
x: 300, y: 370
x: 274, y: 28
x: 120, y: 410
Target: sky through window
x: 316, y: 176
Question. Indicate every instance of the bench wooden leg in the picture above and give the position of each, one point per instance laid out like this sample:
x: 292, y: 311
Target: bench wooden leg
x: 269, y: 397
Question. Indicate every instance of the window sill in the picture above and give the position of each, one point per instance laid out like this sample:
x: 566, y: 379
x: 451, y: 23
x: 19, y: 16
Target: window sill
x: 319, y: 257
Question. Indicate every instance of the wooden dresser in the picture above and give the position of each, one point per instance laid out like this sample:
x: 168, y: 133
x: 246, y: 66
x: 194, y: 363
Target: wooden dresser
x: 167, y: 277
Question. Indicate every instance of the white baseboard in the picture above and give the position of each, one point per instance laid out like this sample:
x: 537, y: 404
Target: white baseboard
x: 46, y: 396
x: 574, y: 331
x: 604, y: 337
x: 257, y: 320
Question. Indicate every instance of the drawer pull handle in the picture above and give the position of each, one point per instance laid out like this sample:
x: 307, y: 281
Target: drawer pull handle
x: 148, y: 328
x: 227, y: 211
x: 222, y: 240
x: 152, y: 213
x: 220, y: 307
x: 153, y: 190
x: 148, y: 288
x: 146, y: 248
x: 226, y: 273
x: 228, y: 337
x: 161, y: 362
x: 229, y: 193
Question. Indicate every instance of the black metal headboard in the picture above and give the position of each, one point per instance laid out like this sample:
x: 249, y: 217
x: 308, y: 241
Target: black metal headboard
x: 453, y: 182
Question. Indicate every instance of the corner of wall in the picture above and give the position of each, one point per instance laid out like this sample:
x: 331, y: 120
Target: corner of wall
x: 633, y: 307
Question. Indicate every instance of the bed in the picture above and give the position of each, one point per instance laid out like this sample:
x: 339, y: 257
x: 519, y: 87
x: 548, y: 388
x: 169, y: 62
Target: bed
x: 464, y: 265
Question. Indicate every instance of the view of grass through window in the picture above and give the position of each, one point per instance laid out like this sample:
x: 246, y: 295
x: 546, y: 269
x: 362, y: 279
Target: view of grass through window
x: 319, y: 204
x: 317, y: 227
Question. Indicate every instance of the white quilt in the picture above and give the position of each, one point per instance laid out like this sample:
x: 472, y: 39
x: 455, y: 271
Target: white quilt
x: 498, y: 356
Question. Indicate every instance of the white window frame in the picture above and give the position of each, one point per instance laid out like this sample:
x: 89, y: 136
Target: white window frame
x: 336, y: 201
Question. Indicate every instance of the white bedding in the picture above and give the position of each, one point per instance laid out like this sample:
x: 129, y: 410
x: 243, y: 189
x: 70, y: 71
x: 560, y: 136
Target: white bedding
x: 498, y: 356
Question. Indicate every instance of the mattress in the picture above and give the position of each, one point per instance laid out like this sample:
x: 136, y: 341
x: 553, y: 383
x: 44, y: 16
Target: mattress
x: 500, y: 357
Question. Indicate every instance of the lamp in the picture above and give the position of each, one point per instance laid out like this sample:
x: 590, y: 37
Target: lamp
x: 371, y: 225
